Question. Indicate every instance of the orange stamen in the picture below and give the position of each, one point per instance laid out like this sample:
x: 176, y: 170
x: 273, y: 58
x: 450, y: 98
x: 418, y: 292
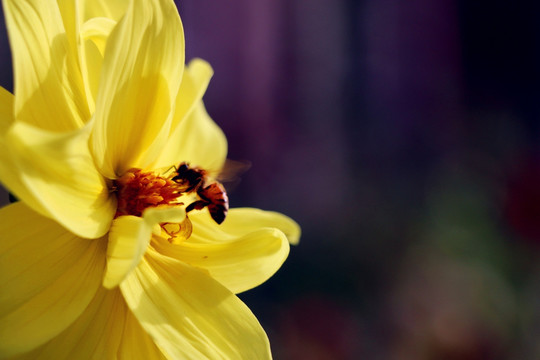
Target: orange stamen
x: 138, y: 190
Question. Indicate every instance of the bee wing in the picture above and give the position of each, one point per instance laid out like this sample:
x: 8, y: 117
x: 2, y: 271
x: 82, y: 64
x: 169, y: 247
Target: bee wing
x: 229, y: 175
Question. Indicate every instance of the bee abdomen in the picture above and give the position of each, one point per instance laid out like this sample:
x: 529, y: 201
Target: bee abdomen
x: 218, y: 212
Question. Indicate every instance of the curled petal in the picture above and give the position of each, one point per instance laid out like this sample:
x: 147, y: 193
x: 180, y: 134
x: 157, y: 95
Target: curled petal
x: 47, y: 276
x: 242, y: 220
x: 239, y: 264
x: 129, y: 238
x: 98, y: 30
x: 140, y: 77
x: 48, y: 84
x: 58, y: 170
x: 189, y: 315
x: 242, y: 252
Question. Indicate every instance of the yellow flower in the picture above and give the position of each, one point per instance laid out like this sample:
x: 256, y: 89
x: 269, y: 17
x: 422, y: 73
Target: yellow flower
x: 86, y: 271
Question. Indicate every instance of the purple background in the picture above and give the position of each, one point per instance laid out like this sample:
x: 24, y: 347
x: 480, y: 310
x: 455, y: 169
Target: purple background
x: 403, y: 137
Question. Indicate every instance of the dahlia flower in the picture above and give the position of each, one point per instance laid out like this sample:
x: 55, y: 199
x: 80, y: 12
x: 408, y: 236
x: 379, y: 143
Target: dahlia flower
x: 102, y: 258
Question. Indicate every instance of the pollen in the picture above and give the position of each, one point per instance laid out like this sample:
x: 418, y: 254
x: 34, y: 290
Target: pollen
x: 137, y: 190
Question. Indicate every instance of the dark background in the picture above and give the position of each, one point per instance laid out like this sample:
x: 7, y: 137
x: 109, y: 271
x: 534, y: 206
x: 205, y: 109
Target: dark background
x: 403, y: 137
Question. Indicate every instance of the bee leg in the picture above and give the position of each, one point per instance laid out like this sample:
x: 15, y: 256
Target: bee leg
x: 196, y: 205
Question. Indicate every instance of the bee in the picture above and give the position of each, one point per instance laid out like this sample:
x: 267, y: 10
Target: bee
x: 211, y: 193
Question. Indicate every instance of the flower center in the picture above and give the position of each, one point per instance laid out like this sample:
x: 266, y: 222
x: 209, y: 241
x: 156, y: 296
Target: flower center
x: 138, y: 190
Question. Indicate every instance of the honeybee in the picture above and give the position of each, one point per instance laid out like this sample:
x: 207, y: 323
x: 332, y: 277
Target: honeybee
x: 211, y: 193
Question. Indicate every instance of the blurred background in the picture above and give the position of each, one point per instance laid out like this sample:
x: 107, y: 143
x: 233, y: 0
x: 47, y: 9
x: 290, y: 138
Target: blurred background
x: 404, y: 139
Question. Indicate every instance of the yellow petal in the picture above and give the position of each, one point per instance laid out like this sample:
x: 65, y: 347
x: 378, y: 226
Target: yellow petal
x: 6, y: 110
x: 98, y: 30
x: 94, y: 35
x: 162, y: 214
x: 242, y: 220
x: 9, y: 176
x: 47, y: 276
x: 239, y: 264
x: 71, y: 19
x: 190, y: 315
x: 58, y: 170
x: 129, y: 238
x: 195, y: 80
x: 239, y: 222
x: 96, y: 334
x: 190, y: 135
x: 88, y: 37
x: 197, y: 140
x: 111, y: 9
x: 48, y: 84
x: 141, y: 75
x: 136, y: 343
